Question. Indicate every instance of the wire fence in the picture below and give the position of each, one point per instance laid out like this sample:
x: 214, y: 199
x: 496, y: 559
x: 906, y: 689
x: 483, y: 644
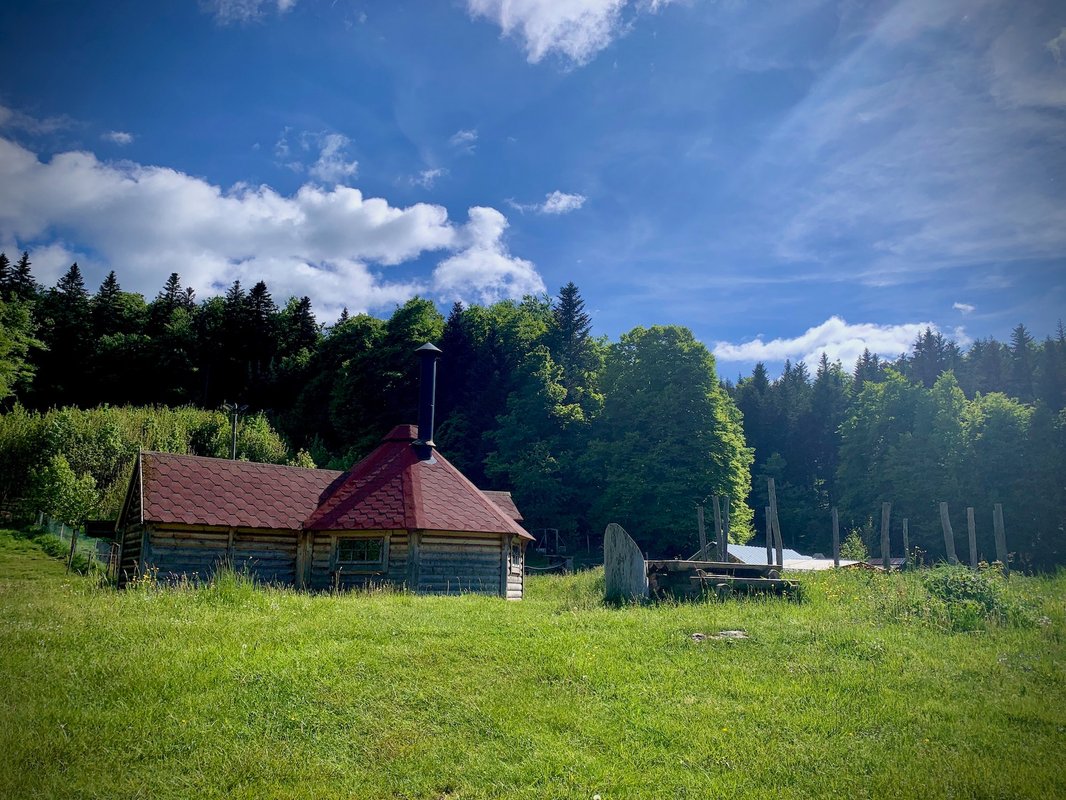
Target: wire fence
x: 102, y: 552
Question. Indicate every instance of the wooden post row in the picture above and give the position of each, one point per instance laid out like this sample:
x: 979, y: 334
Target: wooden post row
x: 769, y: 537
x: 949, y: 535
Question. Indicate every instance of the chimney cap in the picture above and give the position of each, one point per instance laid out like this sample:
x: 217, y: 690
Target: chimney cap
x: 428, y: 348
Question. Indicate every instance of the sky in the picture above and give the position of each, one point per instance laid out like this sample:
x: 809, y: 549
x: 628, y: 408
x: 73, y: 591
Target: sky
x: 784, y: 179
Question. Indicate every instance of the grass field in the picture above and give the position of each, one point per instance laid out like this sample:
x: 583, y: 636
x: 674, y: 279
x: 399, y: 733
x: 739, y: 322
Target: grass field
x: 237, y: 691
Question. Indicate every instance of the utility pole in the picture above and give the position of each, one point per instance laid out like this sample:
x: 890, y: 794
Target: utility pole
x: 236, y: 410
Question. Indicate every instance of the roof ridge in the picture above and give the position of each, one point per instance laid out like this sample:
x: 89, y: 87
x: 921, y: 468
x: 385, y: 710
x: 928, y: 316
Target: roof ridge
x: 237, y: 461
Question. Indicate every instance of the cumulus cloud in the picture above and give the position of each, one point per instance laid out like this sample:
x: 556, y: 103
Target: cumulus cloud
x: 575, y: 29
x: 117, y: 137
x: 328, y: 243
x: 484, y: 270
x: 227, y: 12
x: 965, y: 308
x: 465, y: 140
x: 835, y: 337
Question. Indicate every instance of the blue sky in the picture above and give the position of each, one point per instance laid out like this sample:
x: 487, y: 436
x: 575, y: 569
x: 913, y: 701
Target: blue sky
x: 782, y: 179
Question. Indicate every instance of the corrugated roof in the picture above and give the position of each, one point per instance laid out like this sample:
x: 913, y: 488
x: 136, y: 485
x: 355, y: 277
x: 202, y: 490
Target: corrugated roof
x: 748, y: 554
x: 194, y: 490
x: 394, y: 488
x: 505, y: 503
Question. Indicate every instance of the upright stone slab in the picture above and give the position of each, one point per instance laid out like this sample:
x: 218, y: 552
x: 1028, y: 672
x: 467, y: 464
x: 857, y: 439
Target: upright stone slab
x: 623, y: 566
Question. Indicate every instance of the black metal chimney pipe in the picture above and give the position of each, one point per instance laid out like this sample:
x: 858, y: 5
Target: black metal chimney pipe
x: 429, y: 354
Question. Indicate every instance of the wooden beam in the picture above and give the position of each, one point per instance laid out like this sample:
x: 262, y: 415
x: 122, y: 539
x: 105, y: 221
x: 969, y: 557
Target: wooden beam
x: 906, y: 544
x: 717, y: 528
x: 971, y: 530
x: 949, y: 535
x: 1001, y: 538
x: 703, y: 531
x: 836, y: 538
x: 769, y: 537
x: 724, y: 555
x: 776, y: 523
x: 886, y: 549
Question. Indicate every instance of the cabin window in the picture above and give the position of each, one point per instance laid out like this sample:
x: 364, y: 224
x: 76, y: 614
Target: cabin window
x: 516, y: 555
x: 361, y: 551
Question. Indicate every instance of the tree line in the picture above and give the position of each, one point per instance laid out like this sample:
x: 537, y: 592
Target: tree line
x: 971, y: 427
x: 583, y: 431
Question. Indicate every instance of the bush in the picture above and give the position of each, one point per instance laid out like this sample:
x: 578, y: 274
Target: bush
x: 853, y: 548
x: 971, y: 598
x: 61, y: 494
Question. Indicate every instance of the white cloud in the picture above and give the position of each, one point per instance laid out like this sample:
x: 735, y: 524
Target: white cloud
x: 328, y: 243
x: 484, y: 269
x: 574, y: 29
x: 332, y: 166
x: 241, y: 11
x: 554, y: 203
x: 561, y: 203
x: 117, y: 137
x: 965, y: 308
x: 835, y: 337
x: 465, y: 140
x: 427, y: 177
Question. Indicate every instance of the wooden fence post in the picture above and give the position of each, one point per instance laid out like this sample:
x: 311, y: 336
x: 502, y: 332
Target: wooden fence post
x: 971, y: 529
x: 625, y: 574
x: 906, y: 544
x: 1001, y: 538
x: 769, y: 538
x: 776, y: 523
x: 725, y: 530
x: 836, y: 538
x: 717, y: 529
x: 949, y: 535
x: 886, y: 555
x: 73, y: 544
x: 703, y: 532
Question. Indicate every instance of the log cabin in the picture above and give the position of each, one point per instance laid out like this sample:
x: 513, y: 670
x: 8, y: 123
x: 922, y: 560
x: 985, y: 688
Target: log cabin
x: 404, y: 516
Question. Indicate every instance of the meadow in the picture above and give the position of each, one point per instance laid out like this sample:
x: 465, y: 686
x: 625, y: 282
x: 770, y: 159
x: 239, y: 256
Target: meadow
x: 870, y: 686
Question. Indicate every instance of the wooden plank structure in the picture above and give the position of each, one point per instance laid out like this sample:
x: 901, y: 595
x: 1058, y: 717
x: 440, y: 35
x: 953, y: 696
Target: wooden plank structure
x: 403, y: 516
x: 630, y: 577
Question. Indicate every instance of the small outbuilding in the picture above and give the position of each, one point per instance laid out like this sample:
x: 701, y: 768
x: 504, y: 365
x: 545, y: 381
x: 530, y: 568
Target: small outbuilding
x: 403, y: 516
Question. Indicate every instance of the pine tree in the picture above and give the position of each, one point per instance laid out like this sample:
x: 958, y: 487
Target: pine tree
x: 5, y: 275
x: 1022, y: 369
x: 22, y: 282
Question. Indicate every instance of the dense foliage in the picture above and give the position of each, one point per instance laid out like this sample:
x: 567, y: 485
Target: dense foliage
x: 969, y: 428
x: 583, y: 432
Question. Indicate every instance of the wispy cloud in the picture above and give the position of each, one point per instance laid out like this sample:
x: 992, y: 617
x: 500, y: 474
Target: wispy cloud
x: 574, y: 29
x: 464, y: 140
x: 835, y: 337
x: 14, y: 120
x: 332, y: 244
x: 554, y: 203
x: 332, y: 163
x: 965, y: 308
x: 427, y: 177
x: 227, y: 12
x: 932, y: 144
x: 121, y: 138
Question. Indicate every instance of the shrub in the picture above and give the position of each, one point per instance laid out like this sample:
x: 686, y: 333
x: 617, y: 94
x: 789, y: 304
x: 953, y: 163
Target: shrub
x: 853, y: 548
x: 971, y: 598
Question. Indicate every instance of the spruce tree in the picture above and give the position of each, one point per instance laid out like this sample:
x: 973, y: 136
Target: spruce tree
x: 22, y: 282
x: 5, y: 275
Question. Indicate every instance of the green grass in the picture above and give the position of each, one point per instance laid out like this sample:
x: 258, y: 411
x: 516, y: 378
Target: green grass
x: 237, y: 691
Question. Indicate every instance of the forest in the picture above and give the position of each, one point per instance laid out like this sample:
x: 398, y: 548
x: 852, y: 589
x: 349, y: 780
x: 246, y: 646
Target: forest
x: 581, y: 429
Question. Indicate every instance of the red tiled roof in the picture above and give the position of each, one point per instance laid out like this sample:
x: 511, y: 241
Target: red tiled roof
x: 393, y: 488
x: 505, y: 503
x: 194, y: 490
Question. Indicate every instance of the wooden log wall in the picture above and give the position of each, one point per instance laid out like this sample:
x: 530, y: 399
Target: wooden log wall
x: 325, y: 575
x: 460, y: 563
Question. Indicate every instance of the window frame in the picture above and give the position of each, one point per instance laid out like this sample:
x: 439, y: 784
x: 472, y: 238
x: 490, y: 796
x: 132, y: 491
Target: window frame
x: 378, y: 566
